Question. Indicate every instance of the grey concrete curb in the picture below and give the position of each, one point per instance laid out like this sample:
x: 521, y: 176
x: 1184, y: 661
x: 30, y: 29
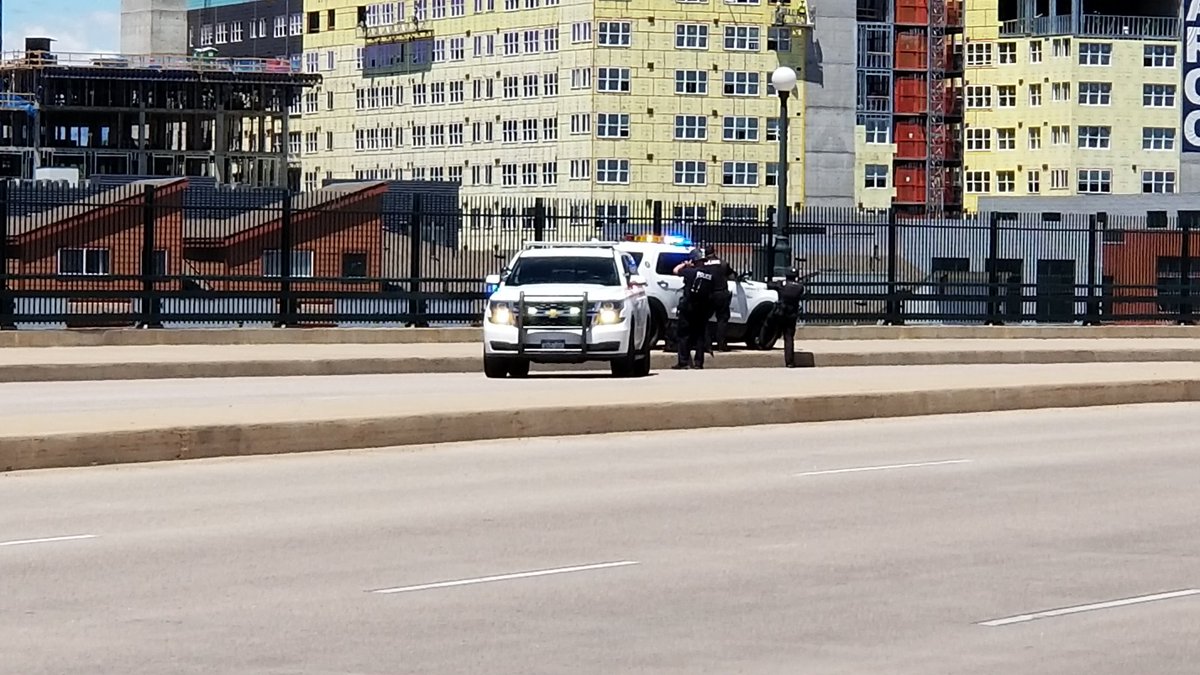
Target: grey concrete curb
x: 267, y: 336
x: 68, y: 372
x: 59, y: 450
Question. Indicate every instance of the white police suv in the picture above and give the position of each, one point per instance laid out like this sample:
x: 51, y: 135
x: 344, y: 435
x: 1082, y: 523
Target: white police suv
x: 749, y: 310
x: 567, y: 303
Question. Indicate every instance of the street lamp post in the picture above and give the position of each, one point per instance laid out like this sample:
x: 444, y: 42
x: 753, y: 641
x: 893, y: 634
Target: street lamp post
x: 784, y: 81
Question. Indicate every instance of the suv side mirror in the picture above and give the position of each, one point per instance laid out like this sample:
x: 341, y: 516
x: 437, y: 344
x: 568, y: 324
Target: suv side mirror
x: 637, y: 280
x: 492, y: 280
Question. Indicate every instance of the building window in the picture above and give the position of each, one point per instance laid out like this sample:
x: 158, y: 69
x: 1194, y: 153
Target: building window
x: 581, y: 31
x: 779, y: 39
x: 456, y: 92
x: 1033, y: 183
x: 1158, y: 56
x: 437, y: 93
x: 549, y: 173
x: 419, y: 94
x: 1059, y: 179
x: 614, y: 34
x: 581, y: 169
x: 456, y: 134
x: 1158, y: 95
x: 691, y: 127
x: 613, y: 80
x: 533, y: 41
x: 1062, y: 47
x: 1035, y: 138
x: 879, y: 131
x: 772, y: 129
x: 612, y: 171
x: 237, y: 31
x: 979, y: 182
x: 691, y: 172
x: 302, y: 263
x: 439, y: 9
x: 1061, y: 91
x: 1035, y: 51
x: 581, y: 78
x: 1095, y: 181
x: 979, y: 140
x: 739, y: 174
x: 84, y: 262
x: 691, y: 82
x: 509, y: 131
x: 1095, y: 93
x: 1006, y: 96
x: 1095, y: 137
x: 458, y: 49
x: 691, y: 36
x: 740, y: 129
x: 979, y: 54
x: 1006, y: 139
x: 529, y: 131
x: 742, y: 38
x: 979, y: 96
x: 508, y: 175
x: 581, y: 123
x: 1006, y: 53
x: 529, y: 174
x: 458, y: 8
x: 550, y: 39
x: 222, y: 33
x: 1060, y: 135
x: 612, y: 125
x: 1035, y: 95
x: 1095, y: 53
x: 1158, y: 138
x: 510, y: 88
x: 296, y: 24
x: 741, y: 83
x: 1006, y: 182
x: 876, y: 177
x: 512, y: 43
x: 354, y: 265
x: 206, y: 36
x: 532, y: 85
x: 550, y: 84
x: 1158, y: 182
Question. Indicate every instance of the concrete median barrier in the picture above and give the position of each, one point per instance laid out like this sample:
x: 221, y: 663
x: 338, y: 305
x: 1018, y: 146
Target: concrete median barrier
x: 246, y: 430
x: 402, y: 336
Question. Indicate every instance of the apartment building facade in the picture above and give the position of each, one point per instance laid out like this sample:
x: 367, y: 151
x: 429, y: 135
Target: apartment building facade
x: 1071, y: 103
x: 262, y: 29
x: 599, y: 100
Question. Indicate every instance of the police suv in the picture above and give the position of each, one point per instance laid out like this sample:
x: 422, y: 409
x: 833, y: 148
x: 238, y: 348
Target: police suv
x: 567, y: 303
x: 657, y: 257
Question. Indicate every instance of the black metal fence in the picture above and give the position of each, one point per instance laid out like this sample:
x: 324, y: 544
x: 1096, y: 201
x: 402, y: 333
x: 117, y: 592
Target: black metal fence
x: 170, y: 253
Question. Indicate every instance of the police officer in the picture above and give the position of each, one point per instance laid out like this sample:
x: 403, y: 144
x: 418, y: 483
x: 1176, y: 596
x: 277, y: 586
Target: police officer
x: 695, y: 307
x: 722, y: 298
x: 787, y: 312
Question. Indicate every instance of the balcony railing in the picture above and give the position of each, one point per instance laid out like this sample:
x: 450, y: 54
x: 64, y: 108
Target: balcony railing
x: 1097, y: 26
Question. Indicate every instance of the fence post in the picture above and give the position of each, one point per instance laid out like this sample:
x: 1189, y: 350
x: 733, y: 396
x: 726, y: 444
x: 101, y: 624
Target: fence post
x: 768, y: 243
x: 993, y: 272
x: 656, y: 214
x: 6, y: 301
x: 416, y: 233
x: 287, y: 303
x: 150, y: 301
x: 1096, y: 222
x: 539, y: 219
x: 894, y: 315
x: 1186, y: 220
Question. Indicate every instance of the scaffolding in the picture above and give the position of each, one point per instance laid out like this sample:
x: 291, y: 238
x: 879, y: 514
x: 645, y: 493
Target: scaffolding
x: 935, y: 163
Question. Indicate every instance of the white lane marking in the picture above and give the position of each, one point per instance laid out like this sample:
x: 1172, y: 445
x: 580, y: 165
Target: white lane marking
x: 1090, y: 608
x: 47, y: 540
x: 882, y: 468
x: 506, y: 577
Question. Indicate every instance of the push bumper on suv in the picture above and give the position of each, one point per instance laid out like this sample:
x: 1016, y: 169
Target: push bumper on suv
x: 555, y: 329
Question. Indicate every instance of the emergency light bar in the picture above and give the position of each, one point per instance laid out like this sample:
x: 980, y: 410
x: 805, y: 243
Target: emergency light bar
x: 570, y: 244
x: 669, y: 240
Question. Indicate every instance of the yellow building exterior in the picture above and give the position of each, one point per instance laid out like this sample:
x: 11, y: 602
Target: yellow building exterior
x: 569, y: 99
x: 1057, y: 109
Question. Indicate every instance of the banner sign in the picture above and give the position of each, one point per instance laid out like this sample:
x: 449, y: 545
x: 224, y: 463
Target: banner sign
x: 1191, y: 78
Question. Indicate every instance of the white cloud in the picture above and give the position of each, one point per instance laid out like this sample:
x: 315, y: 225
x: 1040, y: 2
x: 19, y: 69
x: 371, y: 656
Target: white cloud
x: 88, y: 33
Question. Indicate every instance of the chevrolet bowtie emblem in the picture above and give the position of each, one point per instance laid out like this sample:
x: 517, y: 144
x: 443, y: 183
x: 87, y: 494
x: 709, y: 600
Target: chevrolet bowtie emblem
x: 553, y: 313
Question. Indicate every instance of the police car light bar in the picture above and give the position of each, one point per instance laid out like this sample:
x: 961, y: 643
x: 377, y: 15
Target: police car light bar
x: 669, y: 240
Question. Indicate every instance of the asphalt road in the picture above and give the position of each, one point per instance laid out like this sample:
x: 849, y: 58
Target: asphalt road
x: 845, y: 548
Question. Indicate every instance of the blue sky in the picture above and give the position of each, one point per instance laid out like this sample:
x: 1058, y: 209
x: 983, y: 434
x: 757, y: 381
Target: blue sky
x: 77, y: 25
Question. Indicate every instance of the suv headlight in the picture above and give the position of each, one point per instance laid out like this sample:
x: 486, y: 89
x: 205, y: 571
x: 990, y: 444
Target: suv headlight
x: 608, y: 313
x: 501, y: 313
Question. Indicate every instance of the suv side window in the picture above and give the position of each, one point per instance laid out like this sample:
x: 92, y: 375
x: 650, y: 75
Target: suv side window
x: 667, y: 262
x: 631, y: 265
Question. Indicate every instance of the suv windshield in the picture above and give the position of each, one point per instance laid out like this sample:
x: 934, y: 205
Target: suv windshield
x: 565, y: 270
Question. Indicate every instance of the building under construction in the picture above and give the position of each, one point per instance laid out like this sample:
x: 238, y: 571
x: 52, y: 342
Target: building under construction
x: 225, y: 118
x: 910, y: 89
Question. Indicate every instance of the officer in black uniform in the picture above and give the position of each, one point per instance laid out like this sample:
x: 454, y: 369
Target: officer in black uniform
x: 722, y: 298
x: 787, y: 312
x: 695, y: 307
